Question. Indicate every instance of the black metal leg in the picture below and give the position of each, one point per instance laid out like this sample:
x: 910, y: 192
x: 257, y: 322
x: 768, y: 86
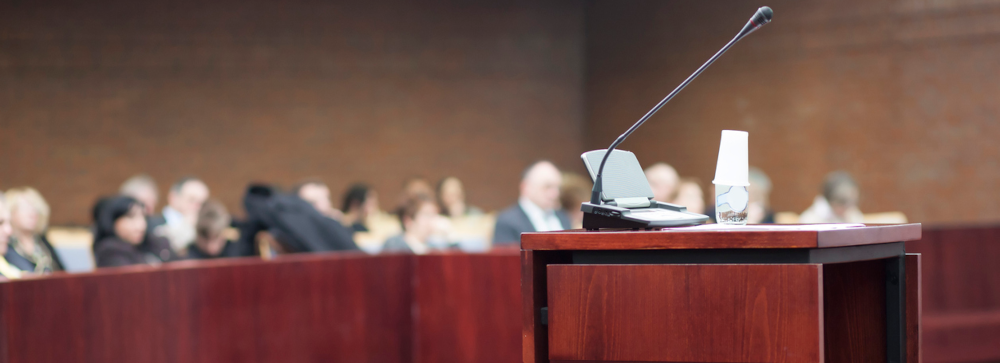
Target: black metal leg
x: 895, y: 309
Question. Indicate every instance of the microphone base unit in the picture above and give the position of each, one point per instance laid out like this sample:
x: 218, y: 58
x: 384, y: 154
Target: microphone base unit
x: 657, y: 215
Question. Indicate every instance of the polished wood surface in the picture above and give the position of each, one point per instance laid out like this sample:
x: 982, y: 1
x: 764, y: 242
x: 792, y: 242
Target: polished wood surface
x: 345, y: 307
x: 961, y: 292
x: 681, y: 239
x: 468, y: 308
x: 686, y: 313
x: 854, y: 311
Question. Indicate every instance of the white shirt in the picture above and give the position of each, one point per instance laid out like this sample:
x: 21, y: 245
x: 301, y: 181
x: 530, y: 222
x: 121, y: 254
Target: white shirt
x: 178, y: 230
x: 542, y: 220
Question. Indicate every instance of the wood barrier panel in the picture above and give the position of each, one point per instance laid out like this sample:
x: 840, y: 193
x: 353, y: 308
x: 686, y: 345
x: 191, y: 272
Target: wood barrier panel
x: 303, y: 308
x: 961, y: 293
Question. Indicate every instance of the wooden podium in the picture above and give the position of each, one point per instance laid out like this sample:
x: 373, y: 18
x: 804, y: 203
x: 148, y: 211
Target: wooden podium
x: 757, y: 294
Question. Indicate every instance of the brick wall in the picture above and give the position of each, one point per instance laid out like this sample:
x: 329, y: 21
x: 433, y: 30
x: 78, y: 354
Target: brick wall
x: 240, y: 91
x: 903, y: 94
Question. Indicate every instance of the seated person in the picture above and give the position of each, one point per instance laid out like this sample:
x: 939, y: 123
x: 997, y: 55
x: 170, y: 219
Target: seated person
x: 28, y: 249
x: 690, y: 195
x: 121, y: 237
x: 663, y: 179
x: 839, y: 202
x: 211, y: 240
x: 318, y: 194
x: 360, y: 201
x: 574, y: 191
x: 143, y: 188
x: 7, y: 271
x: 181, y: 212
x: 759, y: 209
x: 451, y: 199
x: 537, y: 209
x: 417, y: 215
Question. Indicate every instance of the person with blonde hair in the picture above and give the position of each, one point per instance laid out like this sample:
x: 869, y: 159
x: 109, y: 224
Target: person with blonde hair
x: 29, y: 250
x: 6, y: 270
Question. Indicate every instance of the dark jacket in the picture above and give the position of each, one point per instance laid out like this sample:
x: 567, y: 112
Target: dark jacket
x: 113, y: 251
x: 293, y: 222
x: 24, y: 264
x: 513, y: 221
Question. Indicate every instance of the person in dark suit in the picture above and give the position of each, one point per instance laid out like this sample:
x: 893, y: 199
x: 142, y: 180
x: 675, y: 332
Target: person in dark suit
x: 121, y: 237
x: 536, y: 209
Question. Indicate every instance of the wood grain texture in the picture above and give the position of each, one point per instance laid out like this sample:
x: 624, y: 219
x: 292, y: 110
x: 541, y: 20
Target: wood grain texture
x: 345, y: 307
x: 678, y: 239
x: 914, y: 309
x: 961, y: 292
x: 686, y: 313
x: 854, y: 311
x: 468, y: 308
x: 534, y: 294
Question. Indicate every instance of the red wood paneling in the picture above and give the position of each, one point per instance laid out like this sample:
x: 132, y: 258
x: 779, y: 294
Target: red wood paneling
x: 686, y: 313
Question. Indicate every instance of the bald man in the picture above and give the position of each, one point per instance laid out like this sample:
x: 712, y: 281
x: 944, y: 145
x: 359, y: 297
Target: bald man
x: 537, y: 209
x: 664, y: 181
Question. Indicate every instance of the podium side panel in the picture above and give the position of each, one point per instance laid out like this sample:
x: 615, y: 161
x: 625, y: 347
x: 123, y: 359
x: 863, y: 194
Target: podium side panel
x: 914, y: 309
x: 855, y: 312
x: 685, y: 313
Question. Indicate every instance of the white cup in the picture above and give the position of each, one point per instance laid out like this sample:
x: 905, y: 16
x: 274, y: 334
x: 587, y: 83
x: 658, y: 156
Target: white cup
x: 732, y: 177
x: 733, y: 167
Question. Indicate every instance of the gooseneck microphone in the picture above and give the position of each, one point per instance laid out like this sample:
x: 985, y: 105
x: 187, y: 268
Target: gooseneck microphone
x: 763, y: 16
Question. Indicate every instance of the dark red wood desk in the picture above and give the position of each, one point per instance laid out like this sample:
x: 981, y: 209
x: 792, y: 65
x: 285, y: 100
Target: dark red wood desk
x: 847, y: 295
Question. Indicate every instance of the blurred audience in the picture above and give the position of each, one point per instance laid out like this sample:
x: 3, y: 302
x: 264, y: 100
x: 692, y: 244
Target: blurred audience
x: 690, y: 195
x: 28, y: 249
x: 211, y: 240
x: 759, y: 209
x: 537, y: 207
x: 143, y: 188
x: 451, y: 199
x: 574, y: 191
x: 181, y: 213
x: 414, y: 187
x: 360, y: 201
x: 417, y: 216
x: 838, y: 203
x: 121, y: 238
x: 664, y: 181
x: 7, y: 270
x: 318, y: 194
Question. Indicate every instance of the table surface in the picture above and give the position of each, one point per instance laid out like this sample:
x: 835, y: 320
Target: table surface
x: 708, y: 237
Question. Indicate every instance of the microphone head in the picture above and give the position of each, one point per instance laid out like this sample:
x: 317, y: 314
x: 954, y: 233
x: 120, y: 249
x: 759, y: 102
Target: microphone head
x: 763, y: 16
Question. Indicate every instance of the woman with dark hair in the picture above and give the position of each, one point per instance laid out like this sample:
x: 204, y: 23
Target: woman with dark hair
x: 121, y: 237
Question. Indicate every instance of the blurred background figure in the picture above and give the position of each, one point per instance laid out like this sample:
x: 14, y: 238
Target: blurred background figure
x: 181, y: 213
x: 360, y: 201
x: 7, y: 270
x: 143, y: 188
x: 318, y: 194
x: 838, y: 203
x: 28, y: 248
x: 451, y: 199
x: 417, y: 216
x: 416, y: 186
x: 363, y: 216
x: 537, y: 208
x: 211, y: 239
x: 759, y: 209
x: 121, y: 238
x: 575, y: 190
x: 663, y: 179
x: 690, y: 195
